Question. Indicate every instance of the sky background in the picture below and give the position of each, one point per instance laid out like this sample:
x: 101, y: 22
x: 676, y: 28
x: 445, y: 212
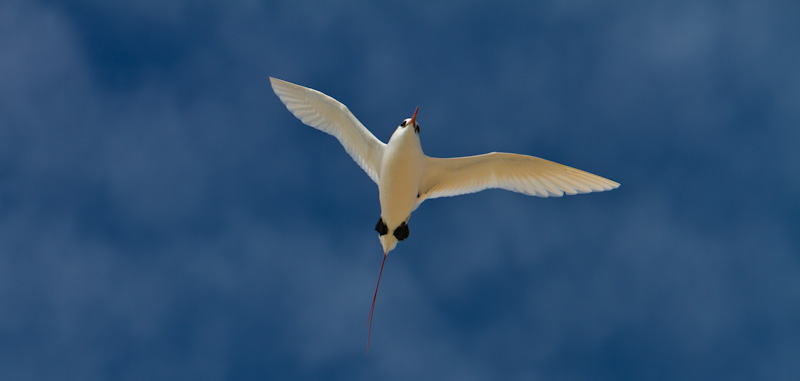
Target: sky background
x: 164, y: 217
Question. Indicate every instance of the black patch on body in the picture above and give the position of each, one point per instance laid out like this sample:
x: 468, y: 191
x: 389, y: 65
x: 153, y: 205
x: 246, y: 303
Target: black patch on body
x: 381, y: 227
x: 401, y: 232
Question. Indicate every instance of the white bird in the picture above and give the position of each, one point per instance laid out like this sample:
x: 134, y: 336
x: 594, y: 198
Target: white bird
x: 406, y: 176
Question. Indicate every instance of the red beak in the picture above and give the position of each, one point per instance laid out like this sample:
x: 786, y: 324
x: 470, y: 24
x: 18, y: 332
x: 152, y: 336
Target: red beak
x: 413, y: 118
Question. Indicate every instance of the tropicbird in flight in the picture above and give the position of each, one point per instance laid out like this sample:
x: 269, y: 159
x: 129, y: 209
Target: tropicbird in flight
x: 406, y: 176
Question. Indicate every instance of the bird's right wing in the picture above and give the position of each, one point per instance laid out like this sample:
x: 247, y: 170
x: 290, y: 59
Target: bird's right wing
x: 330, y: 116
x: 518, y: 173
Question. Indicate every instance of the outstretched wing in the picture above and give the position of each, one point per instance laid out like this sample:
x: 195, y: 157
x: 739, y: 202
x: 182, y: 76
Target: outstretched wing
x: 330, y: 116
x: 518, y: 173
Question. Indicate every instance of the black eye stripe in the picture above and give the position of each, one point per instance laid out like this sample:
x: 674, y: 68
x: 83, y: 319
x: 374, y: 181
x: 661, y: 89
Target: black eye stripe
x: 403, y: 124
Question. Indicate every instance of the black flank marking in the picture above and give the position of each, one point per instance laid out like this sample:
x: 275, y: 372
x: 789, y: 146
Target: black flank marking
x: 401, y: 232
x: 381, y: 227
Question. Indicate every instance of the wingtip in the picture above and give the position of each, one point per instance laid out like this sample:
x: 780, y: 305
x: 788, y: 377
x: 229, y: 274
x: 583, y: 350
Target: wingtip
x: 277, y: 82
x: 274, y: 82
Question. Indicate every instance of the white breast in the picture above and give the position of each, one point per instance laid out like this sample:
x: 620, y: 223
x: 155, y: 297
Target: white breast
x: 401, y: 172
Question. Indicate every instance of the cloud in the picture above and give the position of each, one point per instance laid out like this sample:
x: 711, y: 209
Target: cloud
x: 164, y: 217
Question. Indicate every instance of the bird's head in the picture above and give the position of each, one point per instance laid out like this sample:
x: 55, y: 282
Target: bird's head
x: 411, y: 122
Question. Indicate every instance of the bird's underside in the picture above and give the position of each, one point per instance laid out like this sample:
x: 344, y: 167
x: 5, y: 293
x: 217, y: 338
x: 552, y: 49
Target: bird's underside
x: 435, y: 177
x: 406, y: 177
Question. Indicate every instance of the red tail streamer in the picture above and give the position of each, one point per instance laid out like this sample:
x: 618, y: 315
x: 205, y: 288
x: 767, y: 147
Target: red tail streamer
x: 372, y: 309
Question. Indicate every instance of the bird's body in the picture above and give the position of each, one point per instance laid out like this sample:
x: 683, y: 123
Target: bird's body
x: 403, y: 159
x: 406, y: 176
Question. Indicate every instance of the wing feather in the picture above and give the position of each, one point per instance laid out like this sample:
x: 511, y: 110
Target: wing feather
x: 328, y: 115
x: 518, y: 173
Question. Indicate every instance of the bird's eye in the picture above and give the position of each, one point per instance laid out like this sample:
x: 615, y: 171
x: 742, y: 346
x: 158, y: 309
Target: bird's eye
x: 403, y: 124
x: 417, y: 128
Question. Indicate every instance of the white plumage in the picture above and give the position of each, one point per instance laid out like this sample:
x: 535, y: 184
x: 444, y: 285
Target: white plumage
x: 518, y: 173
x: 441, y: 177
x: 327, y: 115
x: 406, y: 176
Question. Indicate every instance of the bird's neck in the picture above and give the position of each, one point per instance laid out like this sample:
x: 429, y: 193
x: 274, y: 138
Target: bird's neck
x: 405, y: 140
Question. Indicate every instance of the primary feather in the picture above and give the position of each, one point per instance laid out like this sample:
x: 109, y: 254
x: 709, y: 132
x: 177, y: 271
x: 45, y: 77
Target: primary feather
x: 326, y: 114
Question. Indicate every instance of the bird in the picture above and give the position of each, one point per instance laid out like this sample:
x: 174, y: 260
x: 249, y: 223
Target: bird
x: 406, y: 177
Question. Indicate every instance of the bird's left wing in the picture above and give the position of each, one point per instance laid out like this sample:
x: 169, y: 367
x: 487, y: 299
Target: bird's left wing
x: 518, y: 173
x: 330, y: 116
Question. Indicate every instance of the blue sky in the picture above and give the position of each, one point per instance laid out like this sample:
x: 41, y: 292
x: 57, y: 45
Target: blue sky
x: 162, y: 216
